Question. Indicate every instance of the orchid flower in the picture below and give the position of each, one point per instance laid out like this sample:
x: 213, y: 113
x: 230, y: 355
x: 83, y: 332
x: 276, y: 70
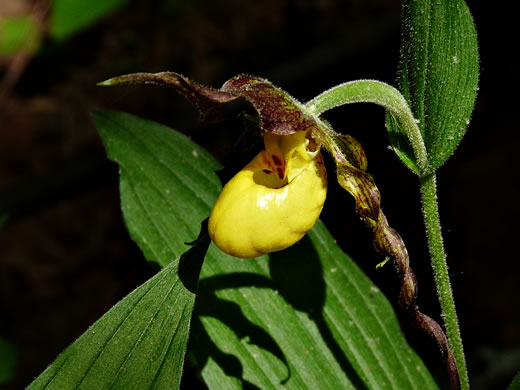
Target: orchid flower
x: 274, y: 200
x: 277, y: 198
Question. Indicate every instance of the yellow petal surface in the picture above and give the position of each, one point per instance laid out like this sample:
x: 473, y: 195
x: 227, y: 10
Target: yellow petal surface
x: 262, y: 210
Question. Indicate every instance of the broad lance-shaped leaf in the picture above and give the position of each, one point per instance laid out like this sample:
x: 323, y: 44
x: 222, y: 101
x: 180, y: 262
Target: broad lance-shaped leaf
x: 333, y: 326
x: 306, y: 317
x: 438, y: 75
x: 139, y: 344
x: 166, y: 181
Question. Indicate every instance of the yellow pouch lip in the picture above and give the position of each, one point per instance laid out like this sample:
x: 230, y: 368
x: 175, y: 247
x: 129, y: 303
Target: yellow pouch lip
x: 252, y: 218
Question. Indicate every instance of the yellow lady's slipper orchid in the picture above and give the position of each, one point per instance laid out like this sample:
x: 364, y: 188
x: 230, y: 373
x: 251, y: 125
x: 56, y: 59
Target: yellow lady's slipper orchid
x: 272, y: 202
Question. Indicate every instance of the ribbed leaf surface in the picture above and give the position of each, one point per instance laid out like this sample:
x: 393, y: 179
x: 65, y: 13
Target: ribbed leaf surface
x: 306, y: 317
x: 438, y: 75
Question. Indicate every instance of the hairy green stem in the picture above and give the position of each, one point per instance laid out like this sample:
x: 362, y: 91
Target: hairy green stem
x: 440, y: 272
x: 373, y: 91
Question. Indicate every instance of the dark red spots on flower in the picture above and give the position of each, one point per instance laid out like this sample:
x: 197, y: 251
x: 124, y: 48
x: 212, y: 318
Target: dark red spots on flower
x: 280, y: 173
x: 277, y: 160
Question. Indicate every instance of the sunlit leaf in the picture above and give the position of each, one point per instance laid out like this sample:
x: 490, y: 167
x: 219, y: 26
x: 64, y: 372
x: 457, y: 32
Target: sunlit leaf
x: 167, y: 183
x: 304, y: 317
x: 438, y: 75
x: 139, y: 344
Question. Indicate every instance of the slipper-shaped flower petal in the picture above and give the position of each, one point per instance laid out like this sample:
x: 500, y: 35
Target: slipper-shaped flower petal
x: 272, y: 202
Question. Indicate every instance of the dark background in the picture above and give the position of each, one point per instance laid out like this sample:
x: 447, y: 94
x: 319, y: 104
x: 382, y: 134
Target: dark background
x: 66, y: 257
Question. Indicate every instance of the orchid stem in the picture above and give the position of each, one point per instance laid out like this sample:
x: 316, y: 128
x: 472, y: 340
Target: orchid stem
x: 440, y: 272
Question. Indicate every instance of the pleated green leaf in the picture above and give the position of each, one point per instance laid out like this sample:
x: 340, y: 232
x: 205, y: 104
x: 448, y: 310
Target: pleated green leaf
x: 438, y: 75
x: 139, y: 344
x: 306, y: 317
x: 167, y: 183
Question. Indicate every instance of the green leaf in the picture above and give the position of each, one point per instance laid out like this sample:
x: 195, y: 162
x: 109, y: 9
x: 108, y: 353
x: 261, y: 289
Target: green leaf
x: 306, y: 317
x: 167, y: 183
x: 515, y: 384
x: 139, y: 344
x: 438, y: 75
x: 70, y: 16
